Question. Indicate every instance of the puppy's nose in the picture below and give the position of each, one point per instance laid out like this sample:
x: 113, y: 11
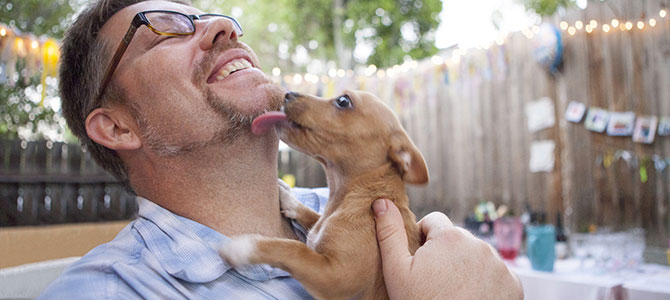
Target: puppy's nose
x: 290, y: 96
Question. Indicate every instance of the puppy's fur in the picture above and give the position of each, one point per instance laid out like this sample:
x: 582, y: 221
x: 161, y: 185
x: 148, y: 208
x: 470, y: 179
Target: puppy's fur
x: 367, y: 155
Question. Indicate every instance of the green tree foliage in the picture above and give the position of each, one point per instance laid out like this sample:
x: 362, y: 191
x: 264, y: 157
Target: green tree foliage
x: 546, y: 7
x: 20, y: 112
x: 390, y: 30
x: 20, y: 91
x: 40, y: 17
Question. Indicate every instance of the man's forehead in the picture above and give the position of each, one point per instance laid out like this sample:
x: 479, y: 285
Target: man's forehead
x: 117, y: 25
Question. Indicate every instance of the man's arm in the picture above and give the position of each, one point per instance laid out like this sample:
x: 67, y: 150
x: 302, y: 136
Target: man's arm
x: 451, y: 264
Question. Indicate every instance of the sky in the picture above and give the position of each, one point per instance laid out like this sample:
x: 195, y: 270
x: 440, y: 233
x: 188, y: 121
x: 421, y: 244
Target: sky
x: 468, y: 23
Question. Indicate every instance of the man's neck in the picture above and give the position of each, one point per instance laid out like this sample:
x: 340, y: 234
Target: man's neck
x: 233, y: 191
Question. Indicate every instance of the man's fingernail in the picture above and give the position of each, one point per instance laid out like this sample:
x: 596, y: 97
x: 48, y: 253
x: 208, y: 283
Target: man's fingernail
x: 379, y: 207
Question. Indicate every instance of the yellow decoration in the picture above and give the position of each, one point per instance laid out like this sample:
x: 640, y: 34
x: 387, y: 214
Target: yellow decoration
x: 19, y: 47
x: 50, y: 56
x: 607, y: 161
x: 289, y: 179
x: 330, y: 89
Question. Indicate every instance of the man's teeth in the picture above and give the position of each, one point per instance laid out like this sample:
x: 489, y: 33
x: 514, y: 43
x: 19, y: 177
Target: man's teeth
x: 235, y: 65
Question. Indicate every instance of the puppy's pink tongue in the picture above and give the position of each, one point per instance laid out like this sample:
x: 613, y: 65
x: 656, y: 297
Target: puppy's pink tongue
x: 266, y: 121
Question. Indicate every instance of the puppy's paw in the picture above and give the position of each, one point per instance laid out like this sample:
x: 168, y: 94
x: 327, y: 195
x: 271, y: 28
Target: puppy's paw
x: 240, y: 250
x: 288, y: 203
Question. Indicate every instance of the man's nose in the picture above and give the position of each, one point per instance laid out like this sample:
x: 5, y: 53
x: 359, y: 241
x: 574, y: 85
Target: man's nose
x: 216, y: 30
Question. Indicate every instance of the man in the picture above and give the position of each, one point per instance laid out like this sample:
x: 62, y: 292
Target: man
x: 170, y: 115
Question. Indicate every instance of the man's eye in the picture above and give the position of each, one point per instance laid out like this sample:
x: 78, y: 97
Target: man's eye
x: 164, y: 38
x: 158, y: 40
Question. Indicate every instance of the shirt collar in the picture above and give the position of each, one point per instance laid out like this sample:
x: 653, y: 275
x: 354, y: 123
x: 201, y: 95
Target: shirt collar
x: 187, y: 249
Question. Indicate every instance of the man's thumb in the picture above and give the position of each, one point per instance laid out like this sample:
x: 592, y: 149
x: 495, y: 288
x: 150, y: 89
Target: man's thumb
x: 391, y: 236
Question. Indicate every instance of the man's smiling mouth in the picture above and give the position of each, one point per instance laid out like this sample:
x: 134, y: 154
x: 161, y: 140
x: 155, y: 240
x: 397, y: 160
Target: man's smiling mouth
x: 232, y: 67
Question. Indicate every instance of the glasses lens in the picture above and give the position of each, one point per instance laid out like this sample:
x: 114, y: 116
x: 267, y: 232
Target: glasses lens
x: 170, y: 22
x: 236, y: 25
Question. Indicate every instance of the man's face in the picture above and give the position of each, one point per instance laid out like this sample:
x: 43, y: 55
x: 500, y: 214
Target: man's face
x: 175, y: 84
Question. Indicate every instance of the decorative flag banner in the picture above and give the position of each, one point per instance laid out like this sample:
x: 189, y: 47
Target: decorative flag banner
x: 621, y: 123
x: 575, y: 111
x: 640, y: 163
x: 628, y: 157
x: 596, y: 119
x: 643, y: 170
x: 659, y: 163
x: 50, y: 55
x: 664, y: 127
x: 540, y: 114
x: 645, y: 129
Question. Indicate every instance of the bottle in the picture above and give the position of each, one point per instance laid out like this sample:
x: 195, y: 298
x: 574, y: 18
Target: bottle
x: 561, y: 240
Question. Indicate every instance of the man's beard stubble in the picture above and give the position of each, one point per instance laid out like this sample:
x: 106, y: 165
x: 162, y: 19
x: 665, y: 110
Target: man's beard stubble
x: 238, y: 123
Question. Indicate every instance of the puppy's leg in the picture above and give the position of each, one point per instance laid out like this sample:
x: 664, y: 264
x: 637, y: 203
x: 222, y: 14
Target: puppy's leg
x: 293, y: 209
x: 316, y: 272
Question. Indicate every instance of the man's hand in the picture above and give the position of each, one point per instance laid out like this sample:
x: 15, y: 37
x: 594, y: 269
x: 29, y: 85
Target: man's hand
x: 451, y: 264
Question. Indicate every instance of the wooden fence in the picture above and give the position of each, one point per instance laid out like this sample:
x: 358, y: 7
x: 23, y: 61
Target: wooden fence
x: 473, y: 129
x: 49, y: 183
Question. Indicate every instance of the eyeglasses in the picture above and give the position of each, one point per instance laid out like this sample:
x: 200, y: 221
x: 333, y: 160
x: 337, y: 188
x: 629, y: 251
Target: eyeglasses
x: 161, y: 22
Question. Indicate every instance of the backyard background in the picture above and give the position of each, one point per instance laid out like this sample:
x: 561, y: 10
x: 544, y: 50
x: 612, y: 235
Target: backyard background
x: 467, y: 108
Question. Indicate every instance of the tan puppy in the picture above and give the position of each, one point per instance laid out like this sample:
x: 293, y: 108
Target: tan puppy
x: 367, y: 155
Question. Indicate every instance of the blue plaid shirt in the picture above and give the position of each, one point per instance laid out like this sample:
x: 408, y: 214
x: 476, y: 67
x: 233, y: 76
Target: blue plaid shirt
x: 161, y: 255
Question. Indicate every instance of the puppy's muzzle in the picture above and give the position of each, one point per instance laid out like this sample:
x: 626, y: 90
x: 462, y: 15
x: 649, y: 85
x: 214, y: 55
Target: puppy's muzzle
x: 290, y: 96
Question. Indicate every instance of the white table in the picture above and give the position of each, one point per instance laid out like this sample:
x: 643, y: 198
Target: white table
x: 29, y: 280
x: 569, y: 280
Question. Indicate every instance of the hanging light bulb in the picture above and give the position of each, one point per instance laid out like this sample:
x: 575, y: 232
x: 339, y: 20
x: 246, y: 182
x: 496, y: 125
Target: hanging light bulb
x: 564, y: 25
x: 594, y: 24
x: 662, y: 13
x: 629, y: 25
x: 606, y: 28
x: 571, y: 30
x: 652, y: 22
x: 579, y: 25
x: 588, y: 28
x: 615, y: 23
x: 640, y: 25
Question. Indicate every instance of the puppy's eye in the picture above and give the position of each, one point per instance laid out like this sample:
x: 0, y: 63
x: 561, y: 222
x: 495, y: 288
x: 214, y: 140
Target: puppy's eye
x: 343, y: 102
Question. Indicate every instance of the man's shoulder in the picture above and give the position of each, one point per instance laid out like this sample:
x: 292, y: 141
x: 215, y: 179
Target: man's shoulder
x: 94, y: 275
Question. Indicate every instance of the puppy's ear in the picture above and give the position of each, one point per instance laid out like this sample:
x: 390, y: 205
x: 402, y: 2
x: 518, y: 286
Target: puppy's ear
x: 407, y: 158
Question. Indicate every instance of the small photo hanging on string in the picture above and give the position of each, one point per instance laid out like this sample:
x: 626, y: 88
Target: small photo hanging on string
x: 645, y: 129
x: 621, y: 124
x: 596, y: 119
x: 575, y: 111
x: 664, y: 127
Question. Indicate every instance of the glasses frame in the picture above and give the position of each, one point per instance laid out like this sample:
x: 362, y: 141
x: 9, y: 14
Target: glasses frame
x: 141, y: 19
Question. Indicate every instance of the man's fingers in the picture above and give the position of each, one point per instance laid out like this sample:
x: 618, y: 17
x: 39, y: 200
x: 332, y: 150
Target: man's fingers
x: 392, y: 237
x: 434, y: 223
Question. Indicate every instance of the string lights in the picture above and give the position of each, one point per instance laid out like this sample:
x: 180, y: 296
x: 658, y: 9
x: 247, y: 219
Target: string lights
x: 42, y: 54
x: 592, y: 26
x: 530, y: 32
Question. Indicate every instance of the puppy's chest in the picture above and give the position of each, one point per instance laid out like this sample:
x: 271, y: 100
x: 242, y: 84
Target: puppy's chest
x: 315, y: 235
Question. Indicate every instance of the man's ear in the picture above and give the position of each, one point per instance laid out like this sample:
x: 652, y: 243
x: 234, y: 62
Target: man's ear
x: 111, y: 128
x: 408, y: 159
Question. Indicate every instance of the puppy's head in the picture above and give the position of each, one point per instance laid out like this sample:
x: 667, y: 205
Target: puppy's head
x: 354, y: 131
